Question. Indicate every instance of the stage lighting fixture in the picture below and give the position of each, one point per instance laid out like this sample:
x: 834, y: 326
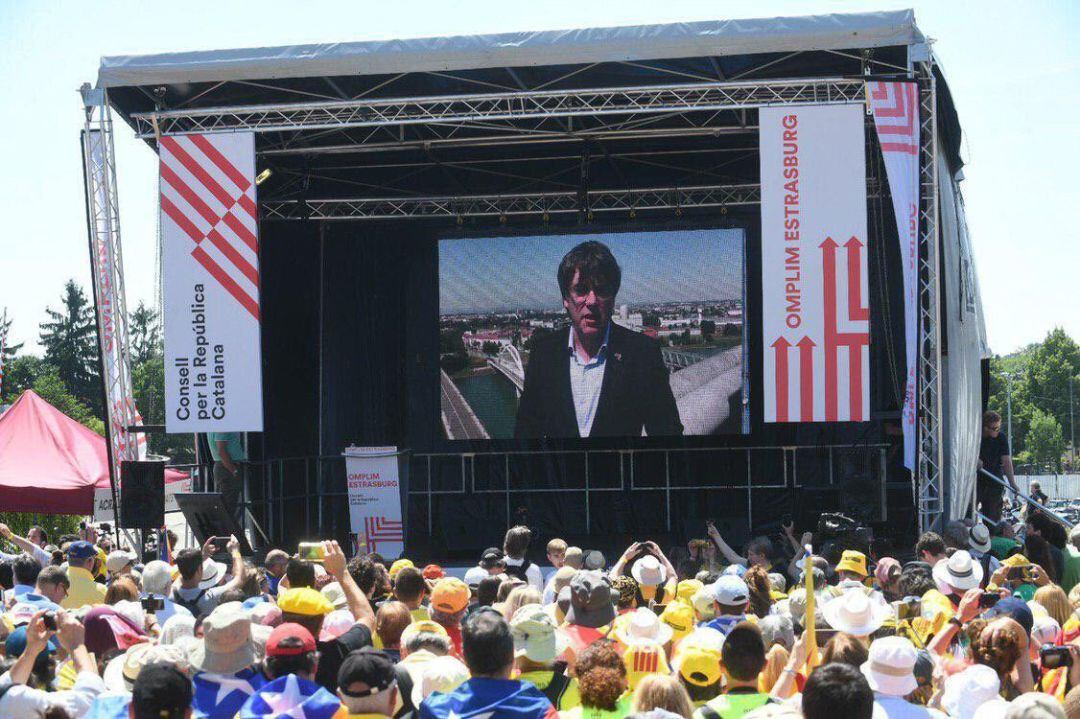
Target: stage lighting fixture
x: 263, y: 176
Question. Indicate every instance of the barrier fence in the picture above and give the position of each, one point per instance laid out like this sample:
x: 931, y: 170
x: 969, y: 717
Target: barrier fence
x: 305, y: 496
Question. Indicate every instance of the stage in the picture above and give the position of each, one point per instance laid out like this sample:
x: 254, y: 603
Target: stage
x: 383, y: 166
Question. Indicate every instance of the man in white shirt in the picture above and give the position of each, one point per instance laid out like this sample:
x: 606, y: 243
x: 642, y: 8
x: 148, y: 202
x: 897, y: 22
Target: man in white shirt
x: 157, y: 584
x: 25, y: 544
x: 516, y: 545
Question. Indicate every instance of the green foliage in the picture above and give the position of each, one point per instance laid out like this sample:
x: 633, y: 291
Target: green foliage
x: 1045, y: 441
x: 144, y: 331
x: 8, y: 347
x: 1040, y: 396
x: 52, y: 389
x: 148, y: 387
x: 53, y: 524
x: 69, y: 339
x: 20, y: 375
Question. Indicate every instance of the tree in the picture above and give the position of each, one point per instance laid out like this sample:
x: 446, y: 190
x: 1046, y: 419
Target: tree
x: 708, y: 328
x: 148, y: 388
x: 70, y: 342
x: 1053, y: 362
x: 20, y: 375
x: 1045, y: 441
x: 145, y: 333
x: 490, y: 348
x: 51, y: 389
x: 8, y: 349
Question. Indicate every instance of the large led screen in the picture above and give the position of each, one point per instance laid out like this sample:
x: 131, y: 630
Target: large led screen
x: 592, y: 335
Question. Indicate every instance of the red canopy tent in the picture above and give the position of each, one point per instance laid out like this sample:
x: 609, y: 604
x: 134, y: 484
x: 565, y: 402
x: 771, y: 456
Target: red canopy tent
x: 49, y: 463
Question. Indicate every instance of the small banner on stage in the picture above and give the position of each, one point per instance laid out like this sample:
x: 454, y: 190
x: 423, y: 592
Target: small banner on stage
x: 374, y: 487
x: 896, y: 119
x: 213, y: 367
x: 815, y: 305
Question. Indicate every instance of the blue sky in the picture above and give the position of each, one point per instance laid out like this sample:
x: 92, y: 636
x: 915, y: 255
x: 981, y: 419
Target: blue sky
x: 488, y: 274
x: 1013, y: 70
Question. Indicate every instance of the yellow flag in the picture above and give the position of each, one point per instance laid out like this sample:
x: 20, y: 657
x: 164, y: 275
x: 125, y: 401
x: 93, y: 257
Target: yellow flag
x: 813, y: 658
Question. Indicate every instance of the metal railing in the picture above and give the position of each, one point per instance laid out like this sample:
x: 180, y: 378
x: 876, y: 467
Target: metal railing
x: 1025, y: 498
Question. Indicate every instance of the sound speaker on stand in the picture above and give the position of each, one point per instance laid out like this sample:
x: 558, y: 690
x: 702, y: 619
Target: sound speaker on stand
x: 142, y: 494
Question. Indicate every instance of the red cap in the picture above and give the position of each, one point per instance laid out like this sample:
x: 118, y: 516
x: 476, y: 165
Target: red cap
x: 289, y: 640
x: 433, y: 571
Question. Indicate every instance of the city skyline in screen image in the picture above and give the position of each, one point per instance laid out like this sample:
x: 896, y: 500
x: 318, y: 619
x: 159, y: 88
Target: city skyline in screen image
x: 668, y: 342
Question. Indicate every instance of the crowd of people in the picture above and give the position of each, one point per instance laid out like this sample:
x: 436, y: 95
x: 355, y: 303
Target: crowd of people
x: 975, y: 622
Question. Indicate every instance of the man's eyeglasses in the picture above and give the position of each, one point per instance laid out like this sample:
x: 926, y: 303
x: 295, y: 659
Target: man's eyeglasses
x: 603, y: 291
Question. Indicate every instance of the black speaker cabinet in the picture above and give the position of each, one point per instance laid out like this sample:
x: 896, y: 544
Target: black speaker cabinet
x: 142, y: 495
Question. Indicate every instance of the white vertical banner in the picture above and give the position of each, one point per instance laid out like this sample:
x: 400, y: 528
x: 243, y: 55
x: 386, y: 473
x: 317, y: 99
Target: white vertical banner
x: 213, y: 366
x: 896, y: 118
x: 375, y: 499
x: 815, y: 302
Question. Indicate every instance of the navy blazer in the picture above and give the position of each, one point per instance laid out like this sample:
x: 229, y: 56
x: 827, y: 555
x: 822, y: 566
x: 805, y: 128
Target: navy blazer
x: 634, y: 395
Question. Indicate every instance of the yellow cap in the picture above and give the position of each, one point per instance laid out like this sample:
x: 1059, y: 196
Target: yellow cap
x: 700, y: 665
x: 687, y: 588
x: 1016, y: 560
x: 305, y: 601
x: 424, y: 625
x: 450, y: 595
x: 643, y: 659
x: 679, y: 615
x: 852, y: 561
x: 400, y: 564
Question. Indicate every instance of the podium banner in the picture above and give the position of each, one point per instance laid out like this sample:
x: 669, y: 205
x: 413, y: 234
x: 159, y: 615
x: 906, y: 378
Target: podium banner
x: 896, y: 120
x: 213, y: 366
x: 374, y: 487
x: 815, y: 303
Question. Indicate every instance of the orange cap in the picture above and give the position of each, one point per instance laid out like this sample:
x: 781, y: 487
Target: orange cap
x: 450, y: 595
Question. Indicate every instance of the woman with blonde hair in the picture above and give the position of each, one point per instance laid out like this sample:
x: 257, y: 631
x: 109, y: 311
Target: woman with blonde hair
x: 518, y: 598
x: 661, y: 691
x: 1053, y: 599
x: 122, y: 588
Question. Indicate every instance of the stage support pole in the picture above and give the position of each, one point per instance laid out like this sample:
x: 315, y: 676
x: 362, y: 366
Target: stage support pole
x: 107, y: 274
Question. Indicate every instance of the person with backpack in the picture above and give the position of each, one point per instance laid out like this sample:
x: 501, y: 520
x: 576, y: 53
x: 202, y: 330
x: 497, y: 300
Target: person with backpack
x: 536, y: 648
x: 516, y: 546
x: 199, y: 588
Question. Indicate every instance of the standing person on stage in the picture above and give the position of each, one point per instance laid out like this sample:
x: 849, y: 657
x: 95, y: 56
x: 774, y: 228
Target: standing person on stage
x: 227, y: 450
x: 996, y: 458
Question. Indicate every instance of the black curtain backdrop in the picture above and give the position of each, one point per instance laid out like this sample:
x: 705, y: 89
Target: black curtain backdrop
x: 350, y: 355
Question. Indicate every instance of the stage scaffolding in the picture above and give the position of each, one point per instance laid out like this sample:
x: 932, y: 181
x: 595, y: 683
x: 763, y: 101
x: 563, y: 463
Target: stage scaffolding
x: 510, y: 118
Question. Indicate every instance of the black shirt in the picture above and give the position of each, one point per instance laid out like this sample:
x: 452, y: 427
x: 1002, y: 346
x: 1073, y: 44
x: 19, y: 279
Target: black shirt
x: 333, y: 653
x: 991, y: 450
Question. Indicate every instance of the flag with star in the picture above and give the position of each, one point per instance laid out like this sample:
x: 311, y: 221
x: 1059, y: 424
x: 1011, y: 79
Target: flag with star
x: 291, y: 696
x: 220, y: 696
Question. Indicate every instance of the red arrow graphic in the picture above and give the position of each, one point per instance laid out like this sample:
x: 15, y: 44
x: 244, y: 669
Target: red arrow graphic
x: 806, y: 379
x: 855, y: 384
x: 828, y: 258
x: 781, y: 346
x: 856, y: 311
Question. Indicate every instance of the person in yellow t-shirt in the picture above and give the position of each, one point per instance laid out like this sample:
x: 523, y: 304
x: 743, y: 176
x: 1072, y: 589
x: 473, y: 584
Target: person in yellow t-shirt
x: 410, y: 589
x: 82, y: 564
x: 537, y: 646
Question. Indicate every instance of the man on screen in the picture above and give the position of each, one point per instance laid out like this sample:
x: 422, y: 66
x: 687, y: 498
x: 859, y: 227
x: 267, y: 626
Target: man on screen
x: 595, y: 378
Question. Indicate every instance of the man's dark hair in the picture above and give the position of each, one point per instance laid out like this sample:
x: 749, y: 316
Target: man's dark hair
x: 596, y: 265
x: 7, y: 577
x: 364, y: 572
x: 487, y: 592
x: 989, y: 417
x: 914, y: 583
x: 44, y: 534
x: 487, y: 643
x: 53, y: 575
x: 744, y: 652
x: 26, y: 569
x: 837, y: 690
x: 409, y: 584
x: 301, y: 573
x: 1050, y: 530
x: 161, y: 691
x: 291, y: 664
x: 929, y: 542
x: 516, y: 542
x: 188, y: 562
